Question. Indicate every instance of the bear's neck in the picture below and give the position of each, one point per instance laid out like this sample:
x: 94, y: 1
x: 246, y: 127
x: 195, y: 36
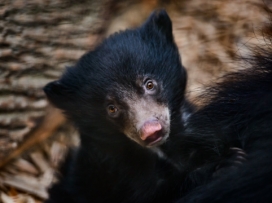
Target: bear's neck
x: 116, y: 147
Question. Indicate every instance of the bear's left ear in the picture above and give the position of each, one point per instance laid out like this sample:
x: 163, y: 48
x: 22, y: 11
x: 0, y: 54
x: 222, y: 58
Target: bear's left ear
x: 158, y: 21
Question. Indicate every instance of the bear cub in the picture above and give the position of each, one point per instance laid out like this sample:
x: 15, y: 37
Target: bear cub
x: 126, y: 99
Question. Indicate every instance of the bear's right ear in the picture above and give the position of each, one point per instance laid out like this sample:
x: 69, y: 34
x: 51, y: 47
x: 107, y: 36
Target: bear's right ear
x: 159, y: 22
x: 59, y: 95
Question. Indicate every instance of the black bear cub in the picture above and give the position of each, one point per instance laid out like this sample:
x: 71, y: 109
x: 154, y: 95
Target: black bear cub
x: 126, y: 98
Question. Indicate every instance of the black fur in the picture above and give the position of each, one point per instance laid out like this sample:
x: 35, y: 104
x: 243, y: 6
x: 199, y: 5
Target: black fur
x: 239, y: 110
x: 108, y: 166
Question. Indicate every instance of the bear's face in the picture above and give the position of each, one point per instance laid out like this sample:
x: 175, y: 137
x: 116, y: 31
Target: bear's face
x: 140, y: 112
x: 132, y: 84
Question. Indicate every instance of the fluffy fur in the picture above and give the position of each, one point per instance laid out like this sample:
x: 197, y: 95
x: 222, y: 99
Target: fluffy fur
x: 115, y: 162
x: 239, y: 110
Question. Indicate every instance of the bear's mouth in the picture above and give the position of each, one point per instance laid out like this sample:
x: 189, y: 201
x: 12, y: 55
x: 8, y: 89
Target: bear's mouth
x: 154, y: 138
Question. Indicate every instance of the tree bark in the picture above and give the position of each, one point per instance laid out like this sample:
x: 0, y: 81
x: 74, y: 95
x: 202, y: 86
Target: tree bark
x: 39, y: 38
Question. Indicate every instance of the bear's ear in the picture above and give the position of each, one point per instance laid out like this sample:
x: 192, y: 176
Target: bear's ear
x: 159, y: 21
x: 59, y: 95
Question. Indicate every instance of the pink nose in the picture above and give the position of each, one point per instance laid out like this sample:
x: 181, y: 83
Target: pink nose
x: 150, y: 128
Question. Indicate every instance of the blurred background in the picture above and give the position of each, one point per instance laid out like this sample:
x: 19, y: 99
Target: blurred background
x: 39, y: 38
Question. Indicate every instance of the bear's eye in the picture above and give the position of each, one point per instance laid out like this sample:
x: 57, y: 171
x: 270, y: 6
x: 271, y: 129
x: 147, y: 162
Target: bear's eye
x: 149, y: 85
x: 112, y: 109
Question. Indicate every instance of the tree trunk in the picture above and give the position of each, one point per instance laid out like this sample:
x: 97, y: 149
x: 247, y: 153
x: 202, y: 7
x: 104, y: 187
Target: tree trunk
x: 38, y: 40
